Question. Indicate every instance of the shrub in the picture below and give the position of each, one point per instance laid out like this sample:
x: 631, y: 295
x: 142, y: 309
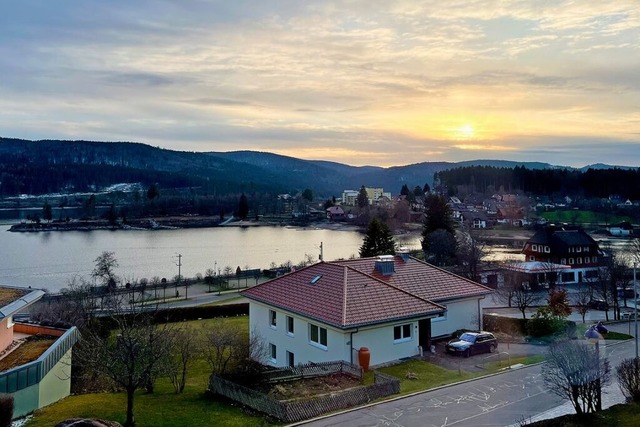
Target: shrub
x: 508, y: 325
x: 628, y: 373
x: 545, y: 327
x: 6, y: 410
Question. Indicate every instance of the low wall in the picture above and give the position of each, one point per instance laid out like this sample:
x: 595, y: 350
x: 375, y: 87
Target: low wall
x: 25, y: 328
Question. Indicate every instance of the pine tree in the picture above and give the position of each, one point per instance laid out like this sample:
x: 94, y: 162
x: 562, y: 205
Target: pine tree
x: 378, y: 240
x: 363, y: 200
x: 243, y: 207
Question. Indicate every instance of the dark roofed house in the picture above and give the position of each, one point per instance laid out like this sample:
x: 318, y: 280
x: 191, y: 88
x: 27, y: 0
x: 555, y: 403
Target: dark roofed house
x: 392, y: 305
x: 44, y: 380
x: 568, y: 246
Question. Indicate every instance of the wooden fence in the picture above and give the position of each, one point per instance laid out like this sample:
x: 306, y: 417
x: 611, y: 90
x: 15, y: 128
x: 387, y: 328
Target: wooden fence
x: 311, y: 370
x: 297, y: 410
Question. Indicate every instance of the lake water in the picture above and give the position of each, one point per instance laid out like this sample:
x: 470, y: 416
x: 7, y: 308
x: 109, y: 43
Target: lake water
x: 50, y: 259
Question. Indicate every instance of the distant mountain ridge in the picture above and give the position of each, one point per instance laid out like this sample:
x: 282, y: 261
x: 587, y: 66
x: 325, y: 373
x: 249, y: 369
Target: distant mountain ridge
x: 37, y: 167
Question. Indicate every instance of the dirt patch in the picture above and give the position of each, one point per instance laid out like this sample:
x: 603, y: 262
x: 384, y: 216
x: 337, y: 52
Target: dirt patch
x: 308, y: 387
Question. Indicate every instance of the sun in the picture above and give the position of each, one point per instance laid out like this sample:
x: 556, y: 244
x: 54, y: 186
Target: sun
x: 465, y: 131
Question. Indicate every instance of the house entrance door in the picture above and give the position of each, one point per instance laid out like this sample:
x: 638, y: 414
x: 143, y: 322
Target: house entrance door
x: 424, y: 331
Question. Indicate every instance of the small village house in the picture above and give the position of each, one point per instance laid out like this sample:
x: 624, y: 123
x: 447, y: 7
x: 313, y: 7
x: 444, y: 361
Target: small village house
x: 392, y: 305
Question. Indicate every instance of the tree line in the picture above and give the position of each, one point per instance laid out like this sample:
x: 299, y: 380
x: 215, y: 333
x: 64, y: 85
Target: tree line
x: 589, y: 183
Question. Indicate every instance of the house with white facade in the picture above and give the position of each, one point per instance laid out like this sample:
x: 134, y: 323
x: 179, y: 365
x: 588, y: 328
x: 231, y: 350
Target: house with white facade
x: 392, y: 305
x: 47, y: 378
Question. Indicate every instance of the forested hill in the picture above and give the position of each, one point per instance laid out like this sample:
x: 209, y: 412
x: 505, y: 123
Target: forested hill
x: 592, y: 182
x: 52, y: 166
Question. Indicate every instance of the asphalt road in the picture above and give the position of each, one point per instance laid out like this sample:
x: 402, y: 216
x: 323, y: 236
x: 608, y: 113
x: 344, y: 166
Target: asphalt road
x: 499, y: 400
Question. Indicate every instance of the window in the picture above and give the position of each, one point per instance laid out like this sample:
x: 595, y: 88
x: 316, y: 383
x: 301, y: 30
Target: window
x: 534, y: 248
x: 571, y: 261
x: 563, y: 261
x: 291, y: 360
x: 289, y: 325
x: 402, y: 333
x: 272, y: 318
x: 547, y: 249
x: 579, y: 249
x: 273, y: 353
x: 532, y: 258
x: 594, y: 259
x: 586, y: 260
x: 318, y: 336
x: 568, y: 277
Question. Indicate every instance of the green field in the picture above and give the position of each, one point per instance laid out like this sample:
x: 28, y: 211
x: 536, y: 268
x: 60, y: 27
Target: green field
x: 583, y: 217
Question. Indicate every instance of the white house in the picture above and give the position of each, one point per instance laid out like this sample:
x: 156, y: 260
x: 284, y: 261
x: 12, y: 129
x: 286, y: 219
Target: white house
x: 392, y: 305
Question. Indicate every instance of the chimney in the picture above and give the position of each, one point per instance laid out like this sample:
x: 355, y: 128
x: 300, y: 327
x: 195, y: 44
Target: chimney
x: 385, y: 265
x: 403, y: 252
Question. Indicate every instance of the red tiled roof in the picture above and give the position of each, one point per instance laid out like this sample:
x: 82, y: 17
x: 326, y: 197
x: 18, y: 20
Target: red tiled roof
x: 343, y: 296
x: 422, y: 279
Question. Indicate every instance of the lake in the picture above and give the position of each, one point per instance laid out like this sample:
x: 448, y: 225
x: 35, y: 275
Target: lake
x: 50, y: 259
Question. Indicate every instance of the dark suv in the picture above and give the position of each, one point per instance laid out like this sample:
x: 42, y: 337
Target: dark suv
x: 473, y: 343
x: 598, y: 304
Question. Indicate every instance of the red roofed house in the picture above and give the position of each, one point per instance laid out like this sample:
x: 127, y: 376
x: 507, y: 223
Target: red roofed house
x: 392, y: 305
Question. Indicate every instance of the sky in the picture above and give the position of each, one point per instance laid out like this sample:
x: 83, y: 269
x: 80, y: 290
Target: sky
x: 359, y: 82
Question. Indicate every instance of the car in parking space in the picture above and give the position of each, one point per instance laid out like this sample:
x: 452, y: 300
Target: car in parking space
x: 472, y: 343
x: 598, y: 304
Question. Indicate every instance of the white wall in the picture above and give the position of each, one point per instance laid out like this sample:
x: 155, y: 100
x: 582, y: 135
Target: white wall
x: 378, y: 339
x: 461, y: 314
x: 298, y: 343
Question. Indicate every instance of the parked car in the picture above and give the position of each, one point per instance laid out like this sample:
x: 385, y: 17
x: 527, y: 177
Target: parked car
x: 473, y: 343
x: 626, y: 293
x: 598, y: 304
x: 629, y: 315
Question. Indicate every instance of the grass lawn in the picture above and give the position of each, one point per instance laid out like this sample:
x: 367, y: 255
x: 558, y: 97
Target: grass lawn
x: 163, y: 407
x: 616, y: 416
x: 430, y: 375
x: 581, y: 328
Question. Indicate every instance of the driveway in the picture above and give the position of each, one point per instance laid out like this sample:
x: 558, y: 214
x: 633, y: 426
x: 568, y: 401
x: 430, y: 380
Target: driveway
x: 505, y: 352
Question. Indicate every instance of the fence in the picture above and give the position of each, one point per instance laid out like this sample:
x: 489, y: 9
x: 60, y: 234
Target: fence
x: 297, y: 410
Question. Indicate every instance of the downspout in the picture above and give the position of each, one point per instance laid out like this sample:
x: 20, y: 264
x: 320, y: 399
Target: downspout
x: 480, y: 314
x: 351, y: 344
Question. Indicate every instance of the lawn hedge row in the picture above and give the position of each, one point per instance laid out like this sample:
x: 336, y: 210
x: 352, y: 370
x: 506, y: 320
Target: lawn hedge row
x: 536, y: 328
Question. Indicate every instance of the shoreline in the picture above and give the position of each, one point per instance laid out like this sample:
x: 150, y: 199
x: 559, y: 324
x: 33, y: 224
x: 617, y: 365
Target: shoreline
x: 169, y: 223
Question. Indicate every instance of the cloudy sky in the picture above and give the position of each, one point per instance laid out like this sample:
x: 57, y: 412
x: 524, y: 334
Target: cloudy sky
x: 359, y: 82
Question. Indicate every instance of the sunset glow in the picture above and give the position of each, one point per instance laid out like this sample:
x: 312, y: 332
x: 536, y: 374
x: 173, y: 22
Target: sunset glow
x: 397, y: 83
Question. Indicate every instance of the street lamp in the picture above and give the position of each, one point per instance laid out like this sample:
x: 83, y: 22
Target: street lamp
x: 635, y: 314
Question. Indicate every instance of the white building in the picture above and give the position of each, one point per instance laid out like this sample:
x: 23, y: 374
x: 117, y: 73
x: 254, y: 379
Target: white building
x: 392, y: 305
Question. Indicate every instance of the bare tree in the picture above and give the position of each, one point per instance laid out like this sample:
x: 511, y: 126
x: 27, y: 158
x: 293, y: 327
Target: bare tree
x: 75, y: 306
x: 105, y: 265
x: 628, y: 374
x: 185, y: 346
x: 131, y: 355
x: 517, y: 292
x: 582, y: 300
x: 221, y: 345
x: 575, y: 371
x: 470, y: 252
